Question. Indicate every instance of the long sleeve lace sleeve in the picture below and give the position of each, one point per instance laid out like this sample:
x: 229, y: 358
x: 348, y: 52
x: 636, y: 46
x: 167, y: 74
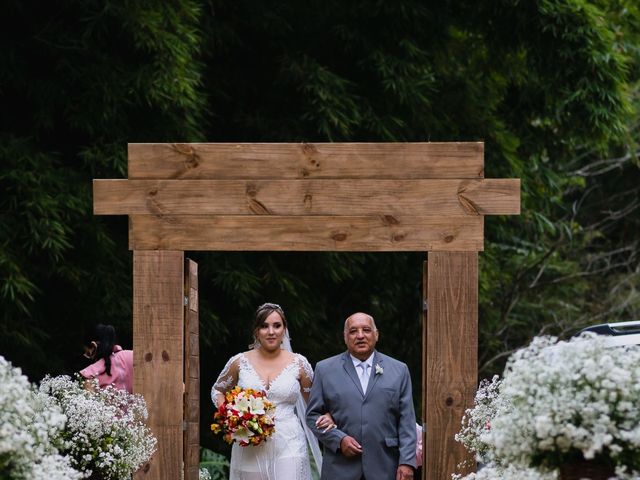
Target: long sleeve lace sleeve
x: 306, y: 376
x: 227, y: 379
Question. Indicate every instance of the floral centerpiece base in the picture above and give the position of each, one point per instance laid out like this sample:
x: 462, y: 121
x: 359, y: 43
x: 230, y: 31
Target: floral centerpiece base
x: 591, y: 469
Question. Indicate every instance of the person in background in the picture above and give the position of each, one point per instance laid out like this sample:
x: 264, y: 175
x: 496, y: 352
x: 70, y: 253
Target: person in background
x: 418, y: 473
x: 112, y: 366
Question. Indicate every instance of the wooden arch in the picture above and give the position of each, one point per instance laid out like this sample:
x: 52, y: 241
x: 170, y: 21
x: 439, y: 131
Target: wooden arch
x: 429, y: 197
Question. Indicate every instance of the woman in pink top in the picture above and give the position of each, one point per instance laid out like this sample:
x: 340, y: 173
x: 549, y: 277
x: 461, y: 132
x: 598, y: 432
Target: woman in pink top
x: 113, y: 366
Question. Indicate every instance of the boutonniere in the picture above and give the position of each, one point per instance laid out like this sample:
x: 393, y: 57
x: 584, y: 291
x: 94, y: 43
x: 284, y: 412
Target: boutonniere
x: 379, y: 369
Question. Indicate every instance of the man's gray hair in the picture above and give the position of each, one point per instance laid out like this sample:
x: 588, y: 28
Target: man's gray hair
x: 373, y: 322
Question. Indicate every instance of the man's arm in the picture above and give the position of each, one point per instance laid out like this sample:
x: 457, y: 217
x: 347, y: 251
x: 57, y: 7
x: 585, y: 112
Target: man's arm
x: 317, y: 407
x: 407, y: 422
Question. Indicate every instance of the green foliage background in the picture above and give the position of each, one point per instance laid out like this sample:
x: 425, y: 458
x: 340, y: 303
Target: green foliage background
x: 551, y: 87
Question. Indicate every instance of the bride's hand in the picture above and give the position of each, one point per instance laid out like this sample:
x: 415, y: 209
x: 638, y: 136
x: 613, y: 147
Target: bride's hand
x: 325, y: 422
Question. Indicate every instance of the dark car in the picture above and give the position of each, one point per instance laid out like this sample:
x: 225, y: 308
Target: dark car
x: 621, y: 333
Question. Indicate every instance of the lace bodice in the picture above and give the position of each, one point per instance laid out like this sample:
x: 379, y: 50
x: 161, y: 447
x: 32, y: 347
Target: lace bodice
x: 283, y: 389
x: 284, y: 457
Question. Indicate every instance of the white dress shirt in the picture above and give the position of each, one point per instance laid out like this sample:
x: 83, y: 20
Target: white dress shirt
x: 364, y: 378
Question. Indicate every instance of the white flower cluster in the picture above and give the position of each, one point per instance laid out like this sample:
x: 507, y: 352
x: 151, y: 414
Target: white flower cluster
x: 105, y: 432
x: 204, y: 474
x: 510, y: 472
x: 557, y: 401
x: 576, y: 395
x: 28, y: 428
x: 245, y: 403
x: 476, y: 422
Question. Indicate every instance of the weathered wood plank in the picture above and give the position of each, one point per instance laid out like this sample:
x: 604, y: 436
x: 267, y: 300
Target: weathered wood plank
x: 423, y: 412
x: 452, y: 350
x: 306, y: 160
x: 158, y: 283
x: 307, y: 197
x: 191, y: 373
x: 319, y: 233
x: 164, y: 463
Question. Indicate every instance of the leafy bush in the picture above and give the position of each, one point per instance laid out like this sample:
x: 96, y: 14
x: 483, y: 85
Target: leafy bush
x: 215, y: 463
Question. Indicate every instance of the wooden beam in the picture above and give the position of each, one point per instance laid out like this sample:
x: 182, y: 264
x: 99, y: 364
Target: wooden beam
x: 452, y: 364
x: 306, y: 160
x: 318, y: 233
x: 158, y: 283
x: 307, y: 197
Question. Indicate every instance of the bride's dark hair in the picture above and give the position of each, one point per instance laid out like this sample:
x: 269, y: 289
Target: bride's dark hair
x: 262, y: 312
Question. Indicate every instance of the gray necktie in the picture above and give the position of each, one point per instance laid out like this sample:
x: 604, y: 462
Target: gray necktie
x: 363, y: 373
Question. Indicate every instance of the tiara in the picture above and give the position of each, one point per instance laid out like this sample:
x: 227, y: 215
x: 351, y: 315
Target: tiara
x: 270, y: 305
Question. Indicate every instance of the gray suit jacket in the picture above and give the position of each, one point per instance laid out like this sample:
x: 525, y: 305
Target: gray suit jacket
x: 381, y: 419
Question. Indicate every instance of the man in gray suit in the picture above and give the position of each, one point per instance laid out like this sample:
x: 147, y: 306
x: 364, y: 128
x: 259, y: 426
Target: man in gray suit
x: 368, y: 394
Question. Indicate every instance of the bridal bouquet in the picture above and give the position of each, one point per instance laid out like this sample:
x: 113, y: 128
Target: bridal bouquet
x: 246, y: 417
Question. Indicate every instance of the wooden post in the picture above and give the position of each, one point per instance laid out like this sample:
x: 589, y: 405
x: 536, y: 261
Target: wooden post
x: 423, y: 397
x: 452, y: 357
x: 158, y: 286
x: 191, y: 373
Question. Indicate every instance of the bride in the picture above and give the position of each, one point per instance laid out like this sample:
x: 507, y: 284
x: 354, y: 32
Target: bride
x: 286, y: 377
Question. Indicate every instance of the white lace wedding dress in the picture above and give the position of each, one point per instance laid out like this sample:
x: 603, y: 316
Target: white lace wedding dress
x: 283, y: 456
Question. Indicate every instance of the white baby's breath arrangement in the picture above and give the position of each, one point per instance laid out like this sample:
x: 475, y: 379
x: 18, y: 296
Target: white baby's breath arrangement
x: 476, y: 423
x: 28, y: 429
x: 476, y: 426
x: 509, y: 472
x: 106, y: 436
x: 558, y: 402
